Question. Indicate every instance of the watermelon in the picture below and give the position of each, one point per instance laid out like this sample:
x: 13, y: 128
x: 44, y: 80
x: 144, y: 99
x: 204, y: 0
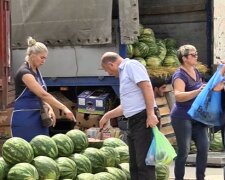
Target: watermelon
x: 96, y: 143
x: 104, y: 176
x: 85, y: 176
x: 113, y: 142
x: 140, y: 49
x: 47, y: 168
x: 16, y: 150
x: 44, y: 146
x: 82, y: 162
x: 4, y: 168
x: 79, y: 139
x: 112, y: 156
x: 23, y: 171
x: 148, y: 32
x: 141, y: 60
x: 162, y: 172
x: 117, y: 173
x: 97, y: 159
x: 67, y: 168
x: 125, y: 168
x: 64, y: 144
x: 153, y: 61
x: 123, y: 154
x: 129, y: 50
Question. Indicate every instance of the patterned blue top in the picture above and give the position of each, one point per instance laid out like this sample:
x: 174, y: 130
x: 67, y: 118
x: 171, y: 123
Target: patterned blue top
x: 180, y: 109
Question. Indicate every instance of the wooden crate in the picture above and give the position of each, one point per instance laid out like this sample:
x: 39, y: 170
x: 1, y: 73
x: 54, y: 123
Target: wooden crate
x: 164, y: 109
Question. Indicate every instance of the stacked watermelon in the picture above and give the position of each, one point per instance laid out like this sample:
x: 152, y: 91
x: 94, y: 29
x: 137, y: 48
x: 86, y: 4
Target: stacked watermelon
x: 64, y: 156
x: 151, y: 51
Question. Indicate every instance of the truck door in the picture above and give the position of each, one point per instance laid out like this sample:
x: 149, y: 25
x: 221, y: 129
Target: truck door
x: 4, y: 51
x: 218, y: 30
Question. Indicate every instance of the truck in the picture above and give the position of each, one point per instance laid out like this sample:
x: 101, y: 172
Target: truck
x: 77, y: 33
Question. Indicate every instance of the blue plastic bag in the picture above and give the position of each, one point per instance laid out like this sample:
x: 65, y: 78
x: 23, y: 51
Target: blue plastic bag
x: 206, y: 108
x: 160, y: 152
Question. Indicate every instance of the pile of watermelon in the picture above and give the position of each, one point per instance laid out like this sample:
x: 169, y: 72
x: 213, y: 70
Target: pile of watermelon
x: 64, y: 156
x: 152, y: 51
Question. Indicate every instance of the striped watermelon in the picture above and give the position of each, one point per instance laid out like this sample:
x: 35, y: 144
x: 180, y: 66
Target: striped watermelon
x: 126, y: 169
x: 162, y: 172
x: 97, y: 159
x: 67, y: 168
x: 16, y: 150
x: 47, y: 168
x: 123, y: 153
x: 64, y: 143
x: 4, y: 168
x: 113, y: 142
x: 44, y: 146
x: 140, y: 49
x: 82, y: 162
x: 112, y: 156
x: 23, y: 171
x: 129, y: 50
x: 85, y: 176
x: 104, y: 176
x: 117, y: 173
x: 79, y: 139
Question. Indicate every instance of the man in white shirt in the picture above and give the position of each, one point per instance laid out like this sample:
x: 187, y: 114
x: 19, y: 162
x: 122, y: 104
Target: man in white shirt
x: 137, y: 104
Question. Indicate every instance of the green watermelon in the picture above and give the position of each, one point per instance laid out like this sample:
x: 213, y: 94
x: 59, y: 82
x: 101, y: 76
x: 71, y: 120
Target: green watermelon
x: 104, y: 176
x: 82, y: 162
x: 44, y: 146
x: 162, y: 172
x: 4, y: 168
x: 140, y: 49
x: 148, y: 32
x: 117, y: 173
x: 96, y: 143
x: 112, y: 156
x: 67, y: 168
x: 153, y: 61
x: 141, y: 60
x: 79, y: 139
x: 123, y: 153
x: 85, y: 176
x: 23, y: 171
x: 129, y: 50
x: 64, y: 143
x: 97, y: 159
x: 16, y: 150
x: 125, y: 168
x: 113, y: 142
x: 47, y: 168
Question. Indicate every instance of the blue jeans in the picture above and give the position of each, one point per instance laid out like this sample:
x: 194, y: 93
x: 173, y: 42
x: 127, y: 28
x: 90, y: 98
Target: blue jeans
x: 185, y: 131
x: 139, y: 140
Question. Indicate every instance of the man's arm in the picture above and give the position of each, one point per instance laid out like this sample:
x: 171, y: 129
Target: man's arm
x: 118, y: 111
x: 148, y: 94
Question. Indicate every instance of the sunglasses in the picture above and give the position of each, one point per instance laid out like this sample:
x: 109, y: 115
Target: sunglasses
x: 194, y: 55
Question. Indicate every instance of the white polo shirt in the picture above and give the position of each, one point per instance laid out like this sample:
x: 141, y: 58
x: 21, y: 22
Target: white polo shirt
x: 132, y: 100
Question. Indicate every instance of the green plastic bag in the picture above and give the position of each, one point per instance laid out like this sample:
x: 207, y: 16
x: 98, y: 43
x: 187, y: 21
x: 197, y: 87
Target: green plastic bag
x: 164, y: 152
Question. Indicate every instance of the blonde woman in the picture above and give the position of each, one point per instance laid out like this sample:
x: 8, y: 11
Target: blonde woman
x: 31, y: 91
x: 187, y: 84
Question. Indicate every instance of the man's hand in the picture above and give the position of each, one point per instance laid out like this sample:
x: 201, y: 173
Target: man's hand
x: 152, y: 121
x: 103, y: 121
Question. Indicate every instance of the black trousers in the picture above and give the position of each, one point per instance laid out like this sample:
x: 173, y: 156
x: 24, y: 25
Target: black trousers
x: 139, y: 140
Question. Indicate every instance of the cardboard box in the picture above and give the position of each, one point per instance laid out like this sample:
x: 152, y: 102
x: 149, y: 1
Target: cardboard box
x: 93, y: 102
x: 87, y: 120
x: 5, y: 117
x: 5, y: 131
x: 64, y: 100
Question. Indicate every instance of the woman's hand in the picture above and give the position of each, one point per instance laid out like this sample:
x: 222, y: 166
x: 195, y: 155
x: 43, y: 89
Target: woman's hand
x: 52, y: 115
x: 69, y: 114
x: 219, y: 86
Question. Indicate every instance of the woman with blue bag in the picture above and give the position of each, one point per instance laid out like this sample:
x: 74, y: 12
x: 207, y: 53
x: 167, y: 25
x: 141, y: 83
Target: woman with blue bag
x: 187, y: 84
